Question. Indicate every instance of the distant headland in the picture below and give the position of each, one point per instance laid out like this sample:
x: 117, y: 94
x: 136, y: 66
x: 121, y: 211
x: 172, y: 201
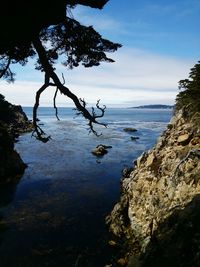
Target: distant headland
x: 156, y: 106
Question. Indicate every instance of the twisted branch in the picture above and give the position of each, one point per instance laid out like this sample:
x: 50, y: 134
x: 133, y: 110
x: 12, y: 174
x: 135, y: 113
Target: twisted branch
x: 79, y: 103
x: 54, y: 104
x: 38, y: 132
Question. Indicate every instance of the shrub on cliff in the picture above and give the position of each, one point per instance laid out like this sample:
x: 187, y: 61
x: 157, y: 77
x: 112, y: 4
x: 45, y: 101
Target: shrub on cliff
x: 189, y: 97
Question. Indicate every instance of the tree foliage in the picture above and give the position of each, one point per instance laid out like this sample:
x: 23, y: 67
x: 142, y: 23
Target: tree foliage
x: 189, y: 97
x: 56, y: 35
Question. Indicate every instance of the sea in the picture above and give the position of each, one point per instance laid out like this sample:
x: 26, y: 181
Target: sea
x: 55, y: 214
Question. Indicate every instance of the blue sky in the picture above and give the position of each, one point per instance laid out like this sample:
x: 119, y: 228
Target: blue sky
x: 160, y: 39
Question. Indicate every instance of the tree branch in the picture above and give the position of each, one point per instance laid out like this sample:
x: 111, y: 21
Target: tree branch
x: 80, y: 104
x: 102, y: 109
x: 38, y: 132
x: 54, y: 103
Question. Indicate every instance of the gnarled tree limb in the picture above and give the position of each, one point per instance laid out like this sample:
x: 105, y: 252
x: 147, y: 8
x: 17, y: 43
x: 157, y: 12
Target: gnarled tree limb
x: 79, y: 103
x: 38, y: 132
x: 54, y: 103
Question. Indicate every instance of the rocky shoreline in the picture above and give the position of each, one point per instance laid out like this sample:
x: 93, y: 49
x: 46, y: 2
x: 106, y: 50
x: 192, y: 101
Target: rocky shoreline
x: 160, y: 200
x: 13, y: 122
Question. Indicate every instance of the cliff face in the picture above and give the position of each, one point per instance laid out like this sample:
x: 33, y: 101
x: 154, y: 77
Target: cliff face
x: 13, y: 121
x: 165, y: 181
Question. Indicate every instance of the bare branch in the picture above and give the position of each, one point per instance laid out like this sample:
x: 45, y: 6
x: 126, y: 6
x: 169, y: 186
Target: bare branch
x: 54, y: 103
x: 79, y: 103
x: 92, y: 130
x: 102, y: 109
x: 83, y: 102
x: 38, y: 132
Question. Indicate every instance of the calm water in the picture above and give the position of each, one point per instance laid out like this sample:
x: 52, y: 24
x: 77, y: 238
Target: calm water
x: 55, y: 215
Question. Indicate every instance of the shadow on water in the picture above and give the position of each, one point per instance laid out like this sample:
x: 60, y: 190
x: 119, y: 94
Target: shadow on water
x: 48, y: 224
x: 7, y: 193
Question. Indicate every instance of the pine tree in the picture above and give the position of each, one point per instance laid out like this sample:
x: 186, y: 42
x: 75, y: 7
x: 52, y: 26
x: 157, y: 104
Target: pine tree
x: 189, y: 97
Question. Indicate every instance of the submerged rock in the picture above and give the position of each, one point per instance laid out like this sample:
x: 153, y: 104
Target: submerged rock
x: 133, y: 138
x: 100, y: 150
x: 129, y: 129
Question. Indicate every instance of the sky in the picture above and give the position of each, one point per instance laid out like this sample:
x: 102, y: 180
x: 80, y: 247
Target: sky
x: 160, y: 44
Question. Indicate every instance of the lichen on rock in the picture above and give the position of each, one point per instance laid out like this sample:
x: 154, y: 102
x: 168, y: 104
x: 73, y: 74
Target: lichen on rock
x: 164, y: 180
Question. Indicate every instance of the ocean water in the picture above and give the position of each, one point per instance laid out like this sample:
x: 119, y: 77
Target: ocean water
x: 55, y: 215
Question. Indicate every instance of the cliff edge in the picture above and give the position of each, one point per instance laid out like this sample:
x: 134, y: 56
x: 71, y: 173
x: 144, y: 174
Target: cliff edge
x: 13, y: 121
x: 160, y: 198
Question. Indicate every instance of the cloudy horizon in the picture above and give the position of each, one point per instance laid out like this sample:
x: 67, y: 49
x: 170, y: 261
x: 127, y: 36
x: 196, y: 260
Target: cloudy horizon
x: 157, y: 52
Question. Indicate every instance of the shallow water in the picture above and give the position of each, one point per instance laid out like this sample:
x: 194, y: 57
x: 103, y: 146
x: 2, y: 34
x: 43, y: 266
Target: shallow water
x: 55, y: 215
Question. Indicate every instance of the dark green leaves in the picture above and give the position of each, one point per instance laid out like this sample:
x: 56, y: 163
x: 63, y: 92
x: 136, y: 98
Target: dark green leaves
x: 190, y: 91
x: 78, y: 44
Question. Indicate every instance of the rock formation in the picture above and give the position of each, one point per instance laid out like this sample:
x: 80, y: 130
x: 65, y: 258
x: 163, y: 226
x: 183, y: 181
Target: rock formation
x: 157, y: 195
x: 100, y: 150
x: 13, y: 121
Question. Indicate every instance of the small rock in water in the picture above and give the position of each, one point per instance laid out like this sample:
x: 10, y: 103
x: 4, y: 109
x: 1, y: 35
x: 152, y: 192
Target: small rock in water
x: 133, y: 138
x: 129, y: 129
x: 100, y: 150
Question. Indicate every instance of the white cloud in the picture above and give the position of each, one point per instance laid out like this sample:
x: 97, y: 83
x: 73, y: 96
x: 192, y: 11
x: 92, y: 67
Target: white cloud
x: 137, y: 77
x: 99, y: 20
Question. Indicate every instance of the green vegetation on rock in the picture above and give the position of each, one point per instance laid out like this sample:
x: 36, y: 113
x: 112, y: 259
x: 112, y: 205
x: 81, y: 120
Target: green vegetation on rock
x: 189, y: 97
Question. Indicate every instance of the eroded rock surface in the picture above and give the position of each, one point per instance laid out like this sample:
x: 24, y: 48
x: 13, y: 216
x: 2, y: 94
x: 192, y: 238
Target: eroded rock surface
x: 165, y: 180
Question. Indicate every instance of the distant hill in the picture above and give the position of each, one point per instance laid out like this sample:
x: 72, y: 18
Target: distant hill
x: 157, y: 106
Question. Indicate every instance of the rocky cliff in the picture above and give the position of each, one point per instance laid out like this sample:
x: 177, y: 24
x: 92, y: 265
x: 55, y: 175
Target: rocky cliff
x: 13, y: 121
x: 157, y: 215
